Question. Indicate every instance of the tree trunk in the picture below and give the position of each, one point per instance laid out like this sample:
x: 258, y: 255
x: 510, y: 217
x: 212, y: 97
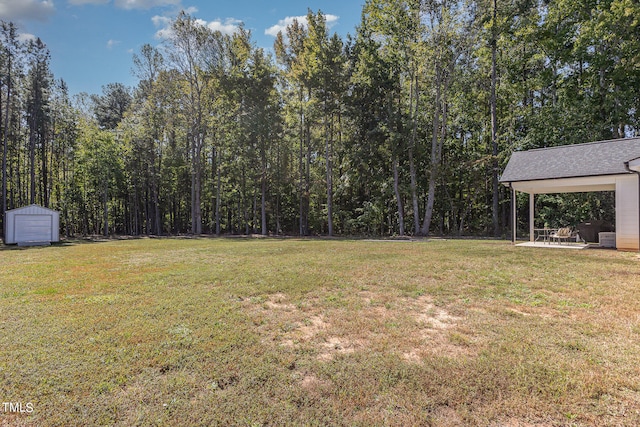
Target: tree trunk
x: 192, y: 150
x: 106, y: 207
x: 156, y: 205
x: 32, y: 161
x: 198, y: 192
x: 494, y: 127
x: 156, y: 196
x: 65, y: 207
x: 279, y: 187
x: 254, y: 218
x: 218, y: 195
x: 6, y: 142
x: 198, y: 207
x: 264, y: 205
x: 243, y: 209
x: 413, y: 112
x: 147, y: 219
x: 263, y: 191
x: 44, y: 171
x: 136, y: 213
x: 329, y: 175
x: 396, y: 189
x: 196, y: 184
x: 301, y: 166
x: 307, y: 179
x: 435, y: 160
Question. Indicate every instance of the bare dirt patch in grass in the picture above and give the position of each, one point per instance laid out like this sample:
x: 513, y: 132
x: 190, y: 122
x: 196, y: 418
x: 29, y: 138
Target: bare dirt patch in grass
x: 364, y: 323
x: 520, y: 423
x: 431, y: 316
x: 446, y: 416
x: 311, y: 326
x: 310, y: 381
x: 277, y: 302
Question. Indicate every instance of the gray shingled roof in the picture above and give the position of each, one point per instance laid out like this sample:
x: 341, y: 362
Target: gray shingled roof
x: 569, y: 161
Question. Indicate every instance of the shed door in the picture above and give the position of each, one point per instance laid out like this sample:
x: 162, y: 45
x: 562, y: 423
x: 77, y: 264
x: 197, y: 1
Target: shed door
x: 32, y: 228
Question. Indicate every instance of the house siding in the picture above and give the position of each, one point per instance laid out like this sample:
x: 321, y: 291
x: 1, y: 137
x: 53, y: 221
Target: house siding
x: 627, y: 213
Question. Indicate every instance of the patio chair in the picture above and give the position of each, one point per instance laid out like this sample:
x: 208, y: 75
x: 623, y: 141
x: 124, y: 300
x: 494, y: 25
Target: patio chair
x: 564, y: 233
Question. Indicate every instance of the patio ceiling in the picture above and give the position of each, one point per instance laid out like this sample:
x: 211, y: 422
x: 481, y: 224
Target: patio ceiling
x: 567, y: 185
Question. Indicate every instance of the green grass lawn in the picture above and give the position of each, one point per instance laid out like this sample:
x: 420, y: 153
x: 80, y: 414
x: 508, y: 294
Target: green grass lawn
x: 254, y: 332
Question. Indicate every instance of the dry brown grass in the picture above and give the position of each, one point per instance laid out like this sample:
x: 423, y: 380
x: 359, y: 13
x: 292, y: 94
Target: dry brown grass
x: 271, y: 332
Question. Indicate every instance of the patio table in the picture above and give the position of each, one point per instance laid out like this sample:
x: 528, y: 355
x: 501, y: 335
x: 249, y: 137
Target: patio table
x: 544, y: 234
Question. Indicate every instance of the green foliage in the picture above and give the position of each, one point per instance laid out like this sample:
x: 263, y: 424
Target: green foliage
x: 572, y: 209
x: 111, y: 106
x: 330, y: 135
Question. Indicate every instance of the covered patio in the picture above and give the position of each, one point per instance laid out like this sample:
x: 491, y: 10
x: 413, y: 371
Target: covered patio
x: 612, y: 165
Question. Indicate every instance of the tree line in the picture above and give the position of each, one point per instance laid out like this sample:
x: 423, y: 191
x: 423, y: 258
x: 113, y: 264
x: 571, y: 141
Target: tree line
x: 401, y: 128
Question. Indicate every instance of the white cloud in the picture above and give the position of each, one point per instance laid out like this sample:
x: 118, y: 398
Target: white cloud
x: 129, y: 4
x: 26, y: 37
x: 112, y: 43
x: 145, y: 4
x: 302, y: 20
x: 164, y: 33
x: 282, y: 25
x: 26, y: 10
x: 81, y: 2
x: 164, y: 24
x: 228, y: 26
x: 161, y: 21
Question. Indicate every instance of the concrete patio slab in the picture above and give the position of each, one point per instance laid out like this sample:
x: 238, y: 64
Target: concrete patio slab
x: 554, y: 245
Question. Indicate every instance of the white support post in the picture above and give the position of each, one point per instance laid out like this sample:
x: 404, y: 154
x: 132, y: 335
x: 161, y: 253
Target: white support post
x: 531, y: 216
x: 514, y: 219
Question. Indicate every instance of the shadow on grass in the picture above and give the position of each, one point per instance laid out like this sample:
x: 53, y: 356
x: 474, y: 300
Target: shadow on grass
x: 60, y: 244
x: 64, y: 243
x: 239, y: 238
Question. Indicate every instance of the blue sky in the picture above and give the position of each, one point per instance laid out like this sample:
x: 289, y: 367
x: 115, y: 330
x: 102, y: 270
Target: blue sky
x: 92, y: 41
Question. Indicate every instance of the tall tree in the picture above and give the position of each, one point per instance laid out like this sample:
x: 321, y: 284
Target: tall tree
x: 326, y: 72
x: 290, y: 51
x: 9, y: 55
x: 195, y: 51
x: 101, y: 171
x: 386, y: 20
x: 494, y: 119
x: 39, y: 81
x: 264, y: 119
x: 449, y: 39
x: 148, y: 66
x: 64, y: 139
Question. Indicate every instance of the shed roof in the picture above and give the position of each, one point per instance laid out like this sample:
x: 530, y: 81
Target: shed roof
x: 31, y: 209
x: 572, y: 161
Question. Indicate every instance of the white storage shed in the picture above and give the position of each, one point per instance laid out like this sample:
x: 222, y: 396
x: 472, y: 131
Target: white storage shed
x: 32, y: 224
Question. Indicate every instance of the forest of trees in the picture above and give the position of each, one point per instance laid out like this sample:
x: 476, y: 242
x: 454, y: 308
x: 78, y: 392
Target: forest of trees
x: 399, y: 129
